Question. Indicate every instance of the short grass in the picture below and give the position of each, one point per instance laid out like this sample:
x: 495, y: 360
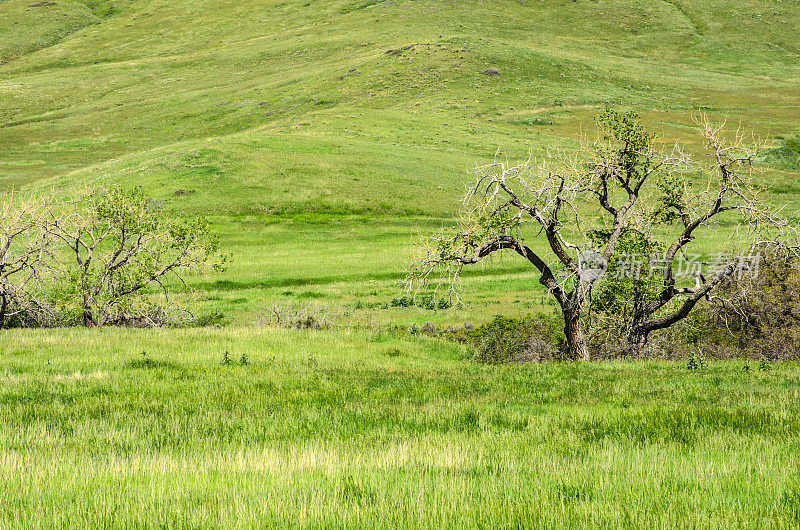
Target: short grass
x: 364, y: 429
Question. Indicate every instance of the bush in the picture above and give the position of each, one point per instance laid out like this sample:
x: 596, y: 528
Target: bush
x: 430, y: 302
x: 762, y: 313
x: 527, y: 339
x: 297, y: 317
x: 403, y: 301
x: 30, y: 312
x: 786, y: 155
x: 215, y: 319
x: 144, y: 316
x: 428, y: 328
x: 755, y: 316
x: 426, y: 301
x: 105, y: 257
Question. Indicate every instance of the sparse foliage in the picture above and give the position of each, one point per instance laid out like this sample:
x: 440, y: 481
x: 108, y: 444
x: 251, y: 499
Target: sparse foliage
x: 117, y: 248
x: 585, y: 211
x: 297, y: 317
x: 695, y: 362
x: 764, y: 365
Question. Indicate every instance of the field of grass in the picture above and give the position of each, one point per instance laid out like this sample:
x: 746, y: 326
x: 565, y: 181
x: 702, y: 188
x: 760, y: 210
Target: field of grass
x: 322, y: 138
x: 365, y: 429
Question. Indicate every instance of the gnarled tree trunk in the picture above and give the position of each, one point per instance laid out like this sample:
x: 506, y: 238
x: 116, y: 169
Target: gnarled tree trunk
x: 637, y: 338
x: 576, y: 341
x: 3, y: 309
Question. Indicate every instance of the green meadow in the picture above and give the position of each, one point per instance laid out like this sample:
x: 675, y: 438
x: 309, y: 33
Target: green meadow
x: 323, y: 138
x: 366, y: 429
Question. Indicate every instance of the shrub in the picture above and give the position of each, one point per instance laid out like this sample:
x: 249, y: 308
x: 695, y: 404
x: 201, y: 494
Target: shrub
x: 787, y: 154
x: 31, y: 312
x: 297, y: 317
x: 427, y: 301
x: 761, y: 313
x: 428, y: 328
x: 118, y: 254
x: 505, y: 339
x: 213, y: 319
x: 430, y: 302
x: 226, y: 359
x: 403, y: 301
x: 751, y: 316
x: 696, y: 362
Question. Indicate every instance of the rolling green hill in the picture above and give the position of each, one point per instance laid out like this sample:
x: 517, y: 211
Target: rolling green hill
x: 321, y: 135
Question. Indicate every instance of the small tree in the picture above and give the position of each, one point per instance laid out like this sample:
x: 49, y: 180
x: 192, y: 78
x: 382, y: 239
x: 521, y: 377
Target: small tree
x: 631, y: 193
x: 118, y: 247
x: 24, y: 247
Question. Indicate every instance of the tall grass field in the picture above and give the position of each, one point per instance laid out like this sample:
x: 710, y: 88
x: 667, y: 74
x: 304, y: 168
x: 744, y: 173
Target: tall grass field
x: 108, y: 428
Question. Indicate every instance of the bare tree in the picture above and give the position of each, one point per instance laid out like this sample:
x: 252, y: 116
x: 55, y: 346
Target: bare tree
x: 24, y: 247
x: 730, y: 195
x: 118, y: 246
x: 625, y: 186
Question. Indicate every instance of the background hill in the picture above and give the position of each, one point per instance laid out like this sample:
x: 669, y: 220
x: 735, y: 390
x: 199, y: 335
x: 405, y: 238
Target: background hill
x: 320, y: 136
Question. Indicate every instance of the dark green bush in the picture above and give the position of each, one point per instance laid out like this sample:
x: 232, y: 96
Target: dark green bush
x: 426, y: 301
x: 214, y: 318
x: 403, y: 301
x: 506, y: 339
x: 787, y: 154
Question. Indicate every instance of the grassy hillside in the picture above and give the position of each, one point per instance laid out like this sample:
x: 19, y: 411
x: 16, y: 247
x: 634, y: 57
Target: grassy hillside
x: 322, y: 135
x: 369, y: 430
x: 257, y: 79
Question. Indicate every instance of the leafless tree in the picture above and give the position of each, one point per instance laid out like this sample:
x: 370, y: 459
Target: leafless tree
x: 730, y: 195
x: 621, y: 185
x: 24, y: 247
